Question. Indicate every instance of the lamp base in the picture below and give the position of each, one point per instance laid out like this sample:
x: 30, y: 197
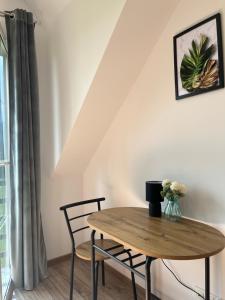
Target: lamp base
x: 155, y: 210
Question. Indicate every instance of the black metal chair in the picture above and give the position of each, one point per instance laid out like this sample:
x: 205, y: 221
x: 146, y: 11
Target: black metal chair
x: 84, y: 250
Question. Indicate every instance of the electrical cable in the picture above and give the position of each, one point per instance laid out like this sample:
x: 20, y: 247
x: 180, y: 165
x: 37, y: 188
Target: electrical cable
x: 185, y: 285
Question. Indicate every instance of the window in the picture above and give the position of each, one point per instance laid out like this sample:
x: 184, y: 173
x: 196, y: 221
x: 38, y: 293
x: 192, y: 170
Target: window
x: 4, y: 173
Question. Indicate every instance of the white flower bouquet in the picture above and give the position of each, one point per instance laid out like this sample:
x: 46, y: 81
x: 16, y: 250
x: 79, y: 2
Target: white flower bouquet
x: 173, y: 190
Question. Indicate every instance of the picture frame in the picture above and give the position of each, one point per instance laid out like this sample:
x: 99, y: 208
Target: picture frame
x: 198, y: 58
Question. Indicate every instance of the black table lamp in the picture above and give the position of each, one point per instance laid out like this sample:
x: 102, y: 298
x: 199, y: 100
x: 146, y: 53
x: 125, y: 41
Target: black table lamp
x: 153, y: 189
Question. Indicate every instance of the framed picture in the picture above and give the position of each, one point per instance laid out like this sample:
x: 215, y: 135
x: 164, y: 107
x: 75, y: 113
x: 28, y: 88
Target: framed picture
x: 198, y: 58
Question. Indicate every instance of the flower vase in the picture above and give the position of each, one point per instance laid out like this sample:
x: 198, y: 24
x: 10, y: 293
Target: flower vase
x: 172, y: 210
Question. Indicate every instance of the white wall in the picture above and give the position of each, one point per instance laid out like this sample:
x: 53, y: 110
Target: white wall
x: 155, y: 137
x: 69, y: 55
x: 133, y: 38
x: 78, y: 39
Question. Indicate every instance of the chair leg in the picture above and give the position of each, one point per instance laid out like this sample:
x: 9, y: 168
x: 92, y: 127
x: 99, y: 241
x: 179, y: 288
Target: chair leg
x: 72, y: 275
x: 132, y: 277
x: 96, y: 282
x: 103, y: 272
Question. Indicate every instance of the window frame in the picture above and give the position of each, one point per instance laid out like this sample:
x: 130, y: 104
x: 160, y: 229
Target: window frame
x: 6, y: 162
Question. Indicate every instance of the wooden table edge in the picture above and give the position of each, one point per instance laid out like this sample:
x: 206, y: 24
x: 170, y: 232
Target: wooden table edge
x: 192, y: 257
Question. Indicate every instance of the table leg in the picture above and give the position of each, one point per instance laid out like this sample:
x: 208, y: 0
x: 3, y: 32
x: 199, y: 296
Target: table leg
x: 93, y: 269
x: 148, y: 278
x: 207, y: 278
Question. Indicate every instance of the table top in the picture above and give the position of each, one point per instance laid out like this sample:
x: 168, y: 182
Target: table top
x: 158, y: 237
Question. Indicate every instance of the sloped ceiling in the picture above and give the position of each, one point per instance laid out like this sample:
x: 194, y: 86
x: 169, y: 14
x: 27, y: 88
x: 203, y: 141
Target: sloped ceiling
x: 136, y: 33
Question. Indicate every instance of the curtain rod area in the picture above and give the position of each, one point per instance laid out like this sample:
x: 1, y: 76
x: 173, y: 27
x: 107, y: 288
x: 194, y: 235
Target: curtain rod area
x: 5, y: 13
x: 12, y: 15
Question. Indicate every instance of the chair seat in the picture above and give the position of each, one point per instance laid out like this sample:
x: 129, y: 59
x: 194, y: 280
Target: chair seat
x: 84, y: 250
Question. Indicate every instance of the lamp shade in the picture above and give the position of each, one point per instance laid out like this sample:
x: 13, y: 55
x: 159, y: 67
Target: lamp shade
x: 153, y: 189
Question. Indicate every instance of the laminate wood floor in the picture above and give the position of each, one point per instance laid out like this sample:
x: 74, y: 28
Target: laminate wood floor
x: 56, y: 286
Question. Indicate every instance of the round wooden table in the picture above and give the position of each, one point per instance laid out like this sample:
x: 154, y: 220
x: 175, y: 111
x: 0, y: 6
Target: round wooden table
x: 158, y: 237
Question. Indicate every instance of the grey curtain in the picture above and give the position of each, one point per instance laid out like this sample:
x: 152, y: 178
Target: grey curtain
x: 28, y: 253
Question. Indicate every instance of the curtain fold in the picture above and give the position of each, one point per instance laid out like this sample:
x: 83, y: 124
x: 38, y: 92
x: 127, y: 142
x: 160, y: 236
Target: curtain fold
x: 28, y: 253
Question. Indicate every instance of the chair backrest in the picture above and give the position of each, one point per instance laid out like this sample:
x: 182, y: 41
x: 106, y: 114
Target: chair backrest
x: 66, y: 208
